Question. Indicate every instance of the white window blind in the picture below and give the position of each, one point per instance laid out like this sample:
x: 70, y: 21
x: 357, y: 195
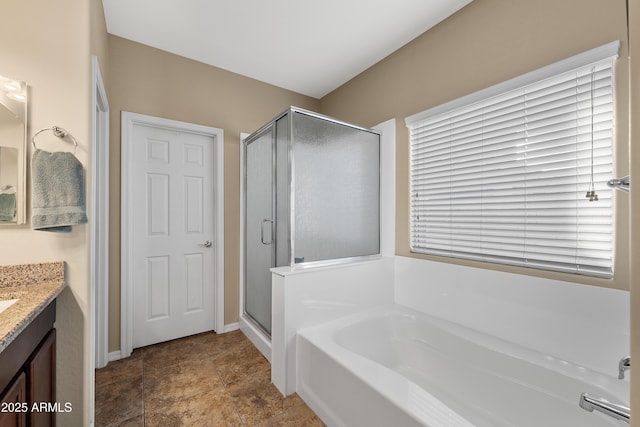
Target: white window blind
x: 501, y: 175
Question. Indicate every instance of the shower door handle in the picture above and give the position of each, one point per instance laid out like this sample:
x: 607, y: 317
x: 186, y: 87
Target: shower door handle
x: 270, y: 222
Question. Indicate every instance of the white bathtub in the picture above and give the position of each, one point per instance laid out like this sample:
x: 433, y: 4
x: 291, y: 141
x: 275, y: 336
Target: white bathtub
x: 392, y: 366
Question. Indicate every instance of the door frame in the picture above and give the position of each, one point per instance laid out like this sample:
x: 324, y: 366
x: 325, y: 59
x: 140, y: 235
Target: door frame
x: 99, y: 246
x: 128, y: 121
x: 99, y: 234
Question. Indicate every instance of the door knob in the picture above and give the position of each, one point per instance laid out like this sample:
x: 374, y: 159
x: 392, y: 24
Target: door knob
x: 206, y: 244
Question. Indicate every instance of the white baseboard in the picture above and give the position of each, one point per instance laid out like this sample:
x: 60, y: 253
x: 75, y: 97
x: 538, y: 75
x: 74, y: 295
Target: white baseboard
x: 231, y: 327
x: 114, y: 355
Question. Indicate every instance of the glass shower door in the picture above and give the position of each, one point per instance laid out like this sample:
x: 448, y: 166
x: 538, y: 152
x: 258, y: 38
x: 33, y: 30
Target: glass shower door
x: 259, y: 244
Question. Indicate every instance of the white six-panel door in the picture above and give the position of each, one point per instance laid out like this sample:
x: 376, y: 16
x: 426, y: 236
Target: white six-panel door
x: 172, y: 234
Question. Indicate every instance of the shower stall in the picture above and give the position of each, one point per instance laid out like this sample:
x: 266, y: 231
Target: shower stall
x: 311, y: 198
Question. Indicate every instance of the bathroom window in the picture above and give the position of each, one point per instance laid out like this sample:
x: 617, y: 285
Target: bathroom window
x: 503, y: 175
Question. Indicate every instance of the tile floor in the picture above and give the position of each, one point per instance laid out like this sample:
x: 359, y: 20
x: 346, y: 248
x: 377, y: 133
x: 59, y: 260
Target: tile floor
x: 203, y: 380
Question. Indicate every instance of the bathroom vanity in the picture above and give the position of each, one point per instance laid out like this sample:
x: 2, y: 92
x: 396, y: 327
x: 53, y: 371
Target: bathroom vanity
x: 28, y: 344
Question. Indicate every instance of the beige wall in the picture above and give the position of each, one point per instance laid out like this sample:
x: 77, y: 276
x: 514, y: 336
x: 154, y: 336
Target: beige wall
x: 47, y: 45
x: 99, y: 40
x: 485, y: 43
x: 148, y: 81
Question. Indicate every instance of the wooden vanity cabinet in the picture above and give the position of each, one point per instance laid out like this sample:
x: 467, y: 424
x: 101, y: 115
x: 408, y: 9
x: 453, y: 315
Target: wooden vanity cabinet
x: 27, y: 375
x: 14, y: 398
x: 41, y: 387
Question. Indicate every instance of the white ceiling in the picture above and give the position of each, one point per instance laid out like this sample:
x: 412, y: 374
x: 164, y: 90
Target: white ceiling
x: 307, y: 46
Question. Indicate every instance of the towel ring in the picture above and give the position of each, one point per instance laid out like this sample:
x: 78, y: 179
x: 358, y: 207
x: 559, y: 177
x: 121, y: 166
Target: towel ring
x: 60, y: 133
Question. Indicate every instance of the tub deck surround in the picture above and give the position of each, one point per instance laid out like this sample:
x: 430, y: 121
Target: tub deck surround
x: 454, y: 345
x: 586, y: 325
x: 392, y: 365
x: 34, y: 286
x: 306, y: 297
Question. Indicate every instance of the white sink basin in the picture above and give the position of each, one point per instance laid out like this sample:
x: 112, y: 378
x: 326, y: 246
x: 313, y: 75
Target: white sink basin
x: 6, y: 304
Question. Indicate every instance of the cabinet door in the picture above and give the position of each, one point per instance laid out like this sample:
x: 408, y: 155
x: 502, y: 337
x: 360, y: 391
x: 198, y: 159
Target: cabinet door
x: 42, y: 384
x: 13, y: 413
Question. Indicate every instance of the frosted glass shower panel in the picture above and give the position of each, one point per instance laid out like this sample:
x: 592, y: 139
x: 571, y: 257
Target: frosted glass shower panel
x: 259, y: 228
x: 336, y: 183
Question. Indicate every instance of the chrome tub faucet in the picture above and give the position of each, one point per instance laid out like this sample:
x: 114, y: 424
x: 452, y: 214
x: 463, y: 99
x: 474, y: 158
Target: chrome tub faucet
x: 590, y: 403
x: 624, y: 365
x: 619, y: 412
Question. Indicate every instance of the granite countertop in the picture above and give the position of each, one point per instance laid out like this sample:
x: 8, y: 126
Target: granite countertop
x: 34, y: 286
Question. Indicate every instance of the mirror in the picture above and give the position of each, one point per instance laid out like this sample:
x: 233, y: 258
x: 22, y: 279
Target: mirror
x: 13, y: 151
